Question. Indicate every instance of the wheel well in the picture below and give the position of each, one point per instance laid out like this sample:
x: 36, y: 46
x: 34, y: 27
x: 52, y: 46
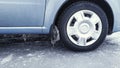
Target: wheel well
x: 102, y: 3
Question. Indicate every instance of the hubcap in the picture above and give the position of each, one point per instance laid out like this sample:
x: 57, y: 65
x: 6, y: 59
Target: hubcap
x: 84, y: 28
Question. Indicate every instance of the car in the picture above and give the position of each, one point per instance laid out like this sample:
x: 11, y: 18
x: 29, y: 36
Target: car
x: 81, y: 25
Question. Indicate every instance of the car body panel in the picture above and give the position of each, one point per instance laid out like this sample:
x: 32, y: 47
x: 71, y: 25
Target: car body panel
x: 52, y: 8
x: 115, y: 6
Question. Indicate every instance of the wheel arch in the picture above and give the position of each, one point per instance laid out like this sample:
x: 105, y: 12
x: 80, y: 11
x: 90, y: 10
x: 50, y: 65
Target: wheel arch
x: 102, y: 3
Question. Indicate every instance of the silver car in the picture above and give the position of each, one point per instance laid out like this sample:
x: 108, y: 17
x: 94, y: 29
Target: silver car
x: 82, y: 25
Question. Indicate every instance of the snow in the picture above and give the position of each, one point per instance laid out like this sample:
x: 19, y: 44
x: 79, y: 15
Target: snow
x: 7, y: 59
x: 43, y: 55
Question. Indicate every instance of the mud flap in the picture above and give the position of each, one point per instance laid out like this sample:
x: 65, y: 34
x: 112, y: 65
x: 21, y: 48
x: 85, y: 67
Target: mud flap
x: 55, y: 36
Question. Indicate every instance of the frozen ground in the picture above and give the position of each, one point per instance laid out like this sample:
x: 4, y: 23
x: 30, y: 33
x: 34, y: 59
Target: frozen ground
x: 43, y: 55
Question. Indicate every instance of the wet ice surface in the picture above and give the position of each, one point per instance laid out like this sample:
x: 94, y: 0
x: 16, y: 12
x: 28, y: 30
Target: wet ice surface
x: 44, y: 55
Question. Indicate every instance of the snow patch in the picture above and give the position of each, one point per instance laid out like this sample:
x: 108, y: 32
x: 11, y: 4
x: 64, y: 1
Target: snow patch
x: 7, y: 59
x: 20, y: 57
x: 30, y: 55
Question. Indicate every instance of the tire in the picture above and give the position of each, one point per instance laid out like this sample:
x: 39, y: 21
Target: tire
x: 90, y: 26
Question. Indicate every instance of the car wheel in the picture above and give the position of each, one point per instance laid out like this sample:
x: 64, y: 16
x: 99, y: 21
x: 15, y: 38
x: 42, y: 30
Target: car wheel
x: 83, y: 26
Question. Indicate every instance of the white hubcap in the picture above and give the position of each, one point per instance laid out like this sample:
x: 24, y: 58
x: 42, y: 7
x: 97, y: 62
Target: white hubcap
x: 84, y: 28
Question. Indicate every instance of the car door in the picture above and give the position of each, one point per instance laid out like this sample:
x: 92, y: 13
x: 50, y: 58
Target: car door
x: 21, y: 13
